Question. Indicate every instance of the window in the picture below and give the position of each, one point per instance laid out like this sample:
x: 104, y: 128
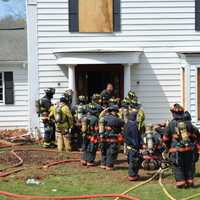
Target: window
x: 6, y: 88
x: 94, y: 16
x: 197, y: 15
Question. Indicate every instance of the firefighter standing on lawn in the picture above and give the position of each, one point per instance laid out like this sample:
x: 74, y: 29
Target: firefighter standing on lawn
x: 181, y: 139
x: 133, y: 142
x: 89, y: 130
x: 110, y: 128
x: 78, y: 111
x: 64, y: 122
x: 43, y: 106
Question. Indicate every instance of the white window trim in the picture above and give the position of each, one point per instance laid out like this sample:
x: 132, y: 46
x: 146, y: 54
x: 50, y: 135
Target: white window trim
x: 196, y: 95
x: 2, y: 102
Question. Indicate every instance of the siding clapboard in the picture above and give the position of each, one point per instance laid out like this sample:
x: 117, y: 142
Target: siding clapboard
x: 16, y: 115
x: 160, y: 27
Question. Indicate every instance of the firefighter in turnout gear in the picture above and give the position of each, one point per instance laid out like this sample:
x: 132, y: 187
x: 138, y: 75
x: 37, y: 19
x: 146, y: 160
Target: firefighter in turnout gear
x: 152, y: 149
x: 104, y: 102
x: 133, y: 141
x: 110, y: 128
x: 78, y: 111
x: 124, y: 110
x: 113, y: 101
x: 89, y: 130
x: 81, y: 108
x: 43, y: 106
x: 135, y: 106
x: 68, y: 94
x: 64, y: 122
x: 181, y: 139
x: 132, y: 96
x: 96, y: 101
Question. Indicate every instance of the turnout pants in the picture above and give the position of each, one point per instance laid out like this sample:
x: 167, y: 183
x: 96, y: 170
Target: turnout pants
x: 184, y: 167
x: 49, y: 133
x: 89, y: 151
x: 63, y: 140
x: 109, y: 152
x: 133, y: 163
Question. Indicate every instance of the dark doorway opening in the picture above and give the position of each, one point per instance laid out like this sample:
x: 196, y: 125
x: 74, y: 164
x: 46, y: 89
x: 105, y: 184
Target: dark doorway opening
x: 92, y: 79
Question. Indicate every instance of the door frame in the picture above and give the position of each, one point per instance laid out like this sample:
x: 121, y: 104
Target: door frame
x: 105, y: 67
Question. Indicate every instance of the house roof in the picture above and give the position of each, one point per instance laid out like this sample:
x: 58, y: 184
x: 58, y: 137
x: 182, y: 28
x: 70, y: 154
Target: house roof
x: 13, y: 44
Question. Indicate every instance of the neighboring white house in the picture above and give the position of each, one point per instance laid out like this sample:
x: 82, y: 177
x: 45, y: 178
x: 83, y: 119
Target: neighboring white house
x: 13, y: 79
x: 150, y: 46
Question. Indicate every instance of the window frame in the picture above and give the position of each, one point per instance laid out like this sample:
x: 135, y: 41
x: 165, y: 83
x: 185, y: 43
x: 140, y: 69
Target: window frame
x: 2, y: 102
x: 73, y: 12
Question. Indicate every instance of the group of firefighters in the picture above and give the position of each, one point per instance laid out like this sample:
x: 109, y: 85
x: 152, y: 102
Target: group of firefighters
x: 106, y: 123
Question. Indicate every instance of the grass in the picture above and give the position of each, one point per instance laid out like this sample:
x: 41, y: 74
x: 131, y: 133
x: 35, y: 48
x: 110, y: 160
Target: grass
x: 72, y: 179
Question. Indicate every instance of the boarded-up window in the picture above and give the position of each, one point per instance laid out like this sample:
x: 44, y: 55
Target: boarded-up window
x: 94, y: 15
x: 198, y: 92
x: 197, y: 15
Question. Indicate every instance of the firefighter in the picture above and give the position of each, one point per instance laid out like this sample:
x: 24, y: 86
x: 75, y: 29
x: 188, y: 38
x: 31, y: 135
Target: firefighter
x: 68, y: 94
x: 110, y: 128
x: 104, y: 102
x: 80, y: 108
x: 181, y: 140
x: 135, y: 106
x: 152, y: 149
x: 124, y: 110
x: 64, y: 121
x: 78, y: 112
x: 132, y: 96
x: 113, y: 101
x: 43, y: 106
x: 89, y: 130
x: 96, y: 101
x: 133, y: 142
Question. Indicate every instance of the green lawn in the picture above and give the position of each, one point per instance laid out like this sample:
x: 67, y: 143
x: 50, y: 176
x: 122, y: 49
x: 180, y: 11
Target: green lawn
x: 72, y: 179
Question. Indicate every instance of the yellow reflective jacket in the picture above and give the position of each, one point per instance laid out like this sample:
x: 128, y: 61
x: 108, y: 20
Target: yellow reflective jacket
x: 66, y: 116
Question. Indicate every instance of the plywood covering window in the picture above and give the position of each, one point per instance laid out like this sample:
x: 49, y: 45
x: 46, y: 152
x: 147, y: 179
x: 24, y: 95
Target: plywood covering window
x: 198, y: 92
x: 94, y: 16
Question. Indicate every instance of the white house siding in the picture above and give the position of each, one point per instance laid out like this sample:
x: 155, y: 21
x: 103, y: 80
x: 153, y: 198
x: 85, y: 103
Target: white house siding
x: 16, y: 115
x: 160, y: 27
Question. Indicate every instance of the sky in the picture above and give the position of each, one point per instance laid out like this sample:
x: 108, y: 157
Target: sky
x: 16, y: 8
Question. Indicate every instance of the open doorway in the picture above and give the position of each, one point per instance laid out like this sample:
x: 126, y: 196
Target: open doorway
x: 92, y: 79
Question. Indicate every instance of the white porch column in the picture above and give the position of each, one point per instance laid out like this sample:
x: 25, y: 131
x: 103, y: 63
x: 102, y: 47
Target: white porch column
x: 71, y: 79
x: 127, y: 78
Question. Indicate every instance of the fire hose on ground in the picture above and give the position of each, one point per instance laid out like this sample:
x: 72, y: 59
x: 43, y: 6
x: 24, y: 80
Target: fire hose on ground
x: 20, y: 163
x: 96, y: 196
x: 116, y: 196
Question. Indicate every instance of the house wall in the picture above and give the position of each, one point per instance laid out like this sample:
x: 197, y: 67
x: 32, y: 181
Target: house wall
x: 16, y: 116
x: 160, y: 27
